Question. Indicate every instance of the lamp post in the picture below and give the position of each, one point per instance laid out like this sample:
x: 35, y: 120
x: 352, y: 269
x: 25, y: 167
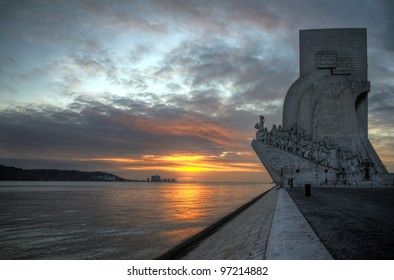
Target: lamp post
x: 325, y: 181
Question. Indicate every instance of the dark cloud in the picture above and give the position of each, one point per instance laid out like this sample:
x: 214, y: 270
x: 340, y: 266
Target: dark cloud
x: 95, y: 65
x: 173, y: 87
x: 224, y: 77
x: 208, y: 102
x: 123, y: 14
x: 204, y: 64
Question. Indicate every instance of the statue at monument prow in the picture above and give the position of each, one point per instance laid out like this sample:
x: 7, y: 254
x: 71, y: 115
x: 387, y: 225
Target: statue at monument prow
x: 324, y: 137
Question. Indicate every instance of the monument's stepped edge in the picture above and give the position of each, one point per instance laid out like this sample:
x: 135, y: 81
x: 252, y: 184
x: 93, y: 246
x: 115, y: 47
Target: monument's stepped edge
x: 324, y: 137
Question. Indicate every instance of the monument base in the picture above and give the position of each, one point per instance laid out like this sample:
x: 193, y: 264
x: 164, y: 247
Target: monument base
x: 284, y: 167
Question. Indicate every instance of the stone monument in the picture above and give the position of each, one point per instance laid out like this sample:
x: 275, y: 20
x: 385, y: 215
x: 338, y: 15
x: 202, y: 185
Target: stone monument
x: 324, y: 137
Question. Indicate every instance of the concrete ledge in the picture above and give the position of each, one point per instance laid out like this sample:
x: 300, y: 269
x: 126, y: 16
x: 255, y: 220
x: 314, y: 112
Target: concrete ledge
x: 291, y: 237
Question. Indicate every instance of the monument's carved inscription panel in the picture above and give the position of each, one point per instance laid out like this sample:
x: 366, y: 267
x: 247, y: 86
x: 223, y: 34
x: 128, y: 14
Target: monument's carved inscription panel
x: 326, y: 59
x: 344, y: 66
x: 324, y: 136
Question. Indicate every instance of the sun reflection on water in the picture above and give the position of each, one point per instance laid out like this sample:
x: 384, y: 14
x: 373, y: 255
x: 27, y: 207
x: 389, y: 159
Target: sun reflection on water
x: 186, y: 202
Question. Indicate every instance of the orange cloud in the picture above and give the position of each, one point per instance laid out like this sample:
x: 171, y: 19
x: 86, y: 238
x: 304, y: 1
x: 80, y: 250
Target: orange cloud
x: 113, y: 160
x: 185, y: 126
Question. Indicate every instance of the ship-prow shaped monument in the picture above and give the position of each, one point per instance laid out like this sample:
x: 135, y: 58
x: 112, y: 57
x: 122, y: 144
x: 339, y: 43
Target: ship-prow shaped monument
x: 324, y: 136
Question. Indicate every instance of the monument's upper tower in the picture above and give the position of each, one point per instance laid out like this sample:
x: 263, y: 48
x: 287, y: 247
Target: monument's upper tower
x: 343, y: 50
x: 330, y: 98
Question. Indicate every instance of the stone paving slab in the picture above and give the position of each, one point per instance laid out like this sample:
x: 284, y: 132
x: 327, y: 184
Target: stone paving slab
x: 244, y: 237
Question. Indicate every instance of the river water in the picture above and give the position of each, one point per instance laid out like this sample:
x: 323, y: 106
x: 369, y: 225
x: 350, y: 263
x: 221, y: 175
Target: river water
x: 100, y: 220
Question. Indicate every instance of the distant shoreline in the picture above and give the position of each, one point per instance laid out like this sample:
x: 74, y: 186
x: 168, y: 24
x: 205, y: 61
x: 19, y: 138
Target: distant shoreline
x: 8, y: 173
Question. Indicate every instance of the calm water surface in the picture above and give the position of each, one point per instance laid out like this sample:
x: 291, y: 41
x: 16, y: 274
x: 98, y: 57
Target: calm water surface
x: 90, y: 220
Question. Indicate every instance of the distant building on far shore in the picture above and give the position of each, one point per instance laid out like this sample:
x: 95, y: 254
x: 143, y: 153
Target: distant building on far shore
x: 157, y: 178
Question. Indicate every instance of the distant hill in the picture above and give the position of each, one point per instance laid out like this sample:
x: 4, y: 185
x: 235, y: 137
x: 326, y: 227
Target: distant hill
x: 18, y: 174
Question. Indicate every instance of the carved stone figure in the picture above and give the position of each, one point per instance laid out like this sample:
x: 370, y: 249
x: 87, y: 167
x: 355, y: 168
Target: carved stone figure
x: 260, y: 125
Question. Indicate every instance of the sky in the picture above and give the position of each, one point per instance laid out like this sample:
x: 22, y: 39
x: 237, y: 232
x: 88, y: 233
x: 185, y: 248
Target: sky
x: 173, y: 88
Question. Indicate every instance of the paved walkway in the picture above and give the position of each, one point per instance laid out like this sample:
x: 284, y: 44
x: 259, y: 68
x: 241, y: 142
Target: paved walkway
x: 244, y: 237
x: 353, y: 223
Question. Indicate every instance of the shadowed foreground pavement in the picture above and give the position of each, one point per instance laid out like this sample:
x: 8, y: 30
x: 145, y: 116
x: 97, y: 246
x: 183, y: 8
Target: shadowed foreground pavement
x: 353, y: 223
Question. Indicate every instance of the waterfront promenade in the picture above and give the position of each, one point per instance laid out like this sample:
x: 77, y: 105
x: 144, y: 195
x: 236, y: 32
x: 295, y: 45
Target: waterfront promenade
x: 333, y: 223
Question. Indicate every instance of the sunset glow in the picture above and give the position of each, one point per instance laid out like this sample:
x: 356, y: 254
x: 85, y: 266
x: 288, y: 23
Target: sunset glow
x: 181, y: 165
